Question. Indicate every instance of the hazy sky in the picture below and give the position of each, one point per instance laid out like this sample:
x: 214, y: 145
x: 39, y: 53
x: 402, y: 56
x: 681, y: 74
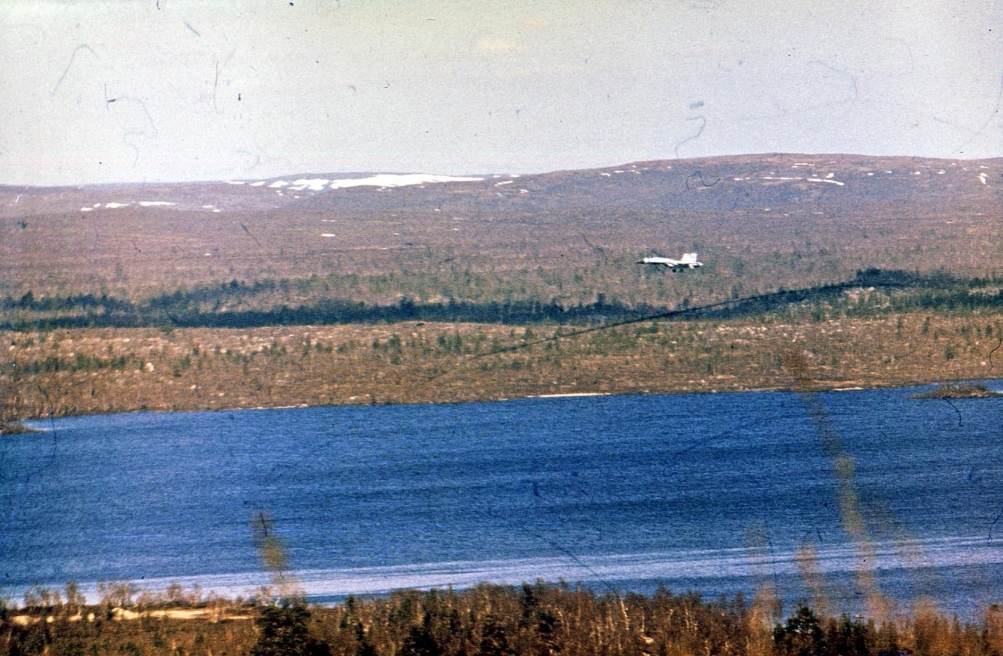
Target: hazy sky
x: 157, y: 90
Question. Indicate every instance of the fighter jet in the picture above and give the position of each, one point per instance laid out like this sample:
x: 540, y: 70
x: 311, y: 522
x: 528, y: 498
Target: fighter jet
x: 687, y: 261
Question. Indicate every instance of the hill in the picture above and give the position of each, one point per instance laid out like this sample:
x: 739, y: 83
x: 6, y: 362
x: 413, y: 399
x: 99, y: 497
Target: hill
x: 759, y: 222
x: 821, y: 271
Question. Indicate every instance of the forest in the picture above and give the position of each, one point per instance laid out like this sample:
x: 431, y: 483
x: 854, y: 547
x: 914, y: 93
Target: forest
x: 533, y: 619
x: 271, y: 303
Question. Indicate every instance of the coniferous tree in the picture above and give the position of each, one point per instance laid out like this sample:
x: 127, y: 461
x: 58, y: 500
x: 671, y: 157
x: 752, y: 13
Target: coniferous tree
x: 284, y: 632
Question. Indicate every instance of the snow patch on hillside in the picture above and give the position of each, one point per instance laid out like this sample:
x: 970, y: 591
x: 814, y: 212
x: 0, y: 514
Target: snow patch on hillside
x: 397, y: 180
x: 314, y: 184
x: 115, y: 206
x: 381, y: 180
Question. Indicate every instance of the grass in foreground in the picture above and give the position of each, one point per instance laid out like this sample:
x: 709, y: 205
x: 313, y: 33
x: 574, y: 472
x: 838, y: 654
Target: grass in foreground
x: 489, y: 619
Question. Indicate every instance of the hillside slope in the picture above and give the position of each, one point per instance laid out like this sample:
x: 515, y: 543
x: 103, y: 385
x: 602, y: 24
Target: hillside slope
x: 759, y: 222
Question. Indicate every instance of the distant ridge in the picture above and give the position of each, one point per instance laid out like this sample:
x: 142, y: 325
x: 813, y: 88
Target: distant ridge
x: 722, y: 183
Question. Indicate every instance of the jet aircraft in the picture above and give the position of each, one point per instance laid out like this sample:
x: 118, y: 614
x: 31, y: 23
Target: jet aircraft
x: 687, y: 261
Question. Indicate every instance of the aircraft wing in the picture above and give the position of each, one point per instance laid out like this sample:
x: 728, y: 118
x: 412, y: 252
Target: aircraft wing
x: 663, y: 261
x: 688, y: 261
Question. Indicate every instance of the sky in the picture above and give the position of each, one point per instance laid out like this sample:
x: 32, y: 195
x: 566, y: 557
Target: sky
x: 110, y: 91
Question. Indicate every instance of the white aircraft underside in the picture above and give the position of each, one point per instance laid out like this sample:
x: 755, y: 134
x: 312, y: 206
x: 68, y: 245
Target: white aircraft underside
x: 687, y: 261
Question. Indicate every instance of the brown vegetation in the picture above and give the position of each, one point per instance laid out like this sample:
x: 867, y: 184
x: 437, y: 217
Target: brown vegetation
x: 499, y: 620
x: 568, y: 238
x: 958, y: 391
x: 571, y: 236
x: 65, y: 372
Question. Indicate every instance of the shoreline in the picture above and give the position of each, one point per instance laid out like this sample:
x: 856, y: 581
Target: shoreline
x: 35, y: 429
x: 105, y: 371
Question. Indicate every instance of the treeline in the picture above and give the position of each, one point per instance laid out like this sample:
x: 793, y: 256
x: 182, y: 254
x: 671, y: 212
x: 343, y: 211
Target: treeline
x: 899, y: 291
x: 226, y: 306
x: 538, y: 620
x: 163, y: 313
x: 79, y: 362
x: 101, y: 302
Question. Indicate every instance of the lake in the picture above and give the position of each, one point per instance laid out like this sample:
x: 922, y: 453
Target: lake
x: 717, y: 493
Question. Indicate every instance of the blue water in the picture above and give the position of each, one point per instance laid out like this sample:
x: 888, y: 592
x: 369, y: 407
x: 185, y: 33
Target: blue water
x: 708, y: 492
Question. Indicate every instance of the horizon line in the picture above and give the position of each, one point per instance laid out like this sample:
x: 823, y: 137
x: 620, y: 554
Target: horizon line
x: 300, y: 173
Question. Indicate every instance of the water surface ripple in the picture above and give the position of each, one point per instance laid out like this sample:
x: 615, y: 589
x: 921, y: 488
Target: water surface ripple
x: 717, y: 493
